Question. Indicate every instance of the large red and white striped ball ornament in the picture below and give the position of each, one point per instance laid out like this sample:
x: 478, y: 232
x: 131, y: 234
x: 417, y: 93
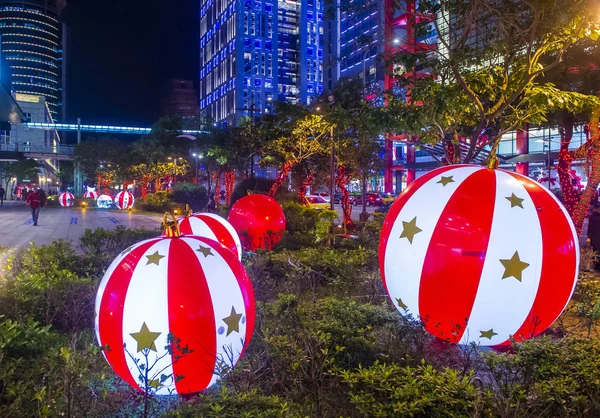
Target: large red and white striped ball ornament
x: 185, y: 303
x: 214, y: 227
x: 479, y: 255
x: 124, y: 200
x: 90, y: 194
x: 66, y: 199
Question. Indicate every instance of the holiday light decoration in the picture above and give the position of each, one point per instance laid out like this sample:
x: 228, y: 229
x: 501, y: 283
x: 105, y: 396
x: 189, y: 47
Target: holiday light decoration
x: 124, y: 200
x: 214, y: 227
x: 90, y: 194
x: 66, y: 199
x: 259, y: 220
x: 479, y: 255
x: 342, y: 179
x: 174, y: 313
x: 104, y: 201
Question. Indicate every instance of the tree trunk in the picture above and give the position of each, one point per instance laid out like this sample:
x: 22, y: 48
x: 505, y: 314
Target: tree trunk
x: 304, y: 183
x: 580, y: 212
x: 364, y: 215
x: 571, y: 194
x: 229, y: 184
x: 342, y: 179
x: 284, y: 171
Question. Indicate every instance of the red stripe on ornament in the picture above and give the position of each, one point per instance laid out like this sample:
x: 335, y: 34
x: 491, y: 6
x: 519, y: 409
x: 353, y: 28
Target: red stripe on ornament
x: 559, y: 263
x: 455, y: 257
x: 110, y: 317
x: 221, y: 232
x: 397, y: 206
x: 246, y: 288
x: 191, y: 319
x: 185, y: 226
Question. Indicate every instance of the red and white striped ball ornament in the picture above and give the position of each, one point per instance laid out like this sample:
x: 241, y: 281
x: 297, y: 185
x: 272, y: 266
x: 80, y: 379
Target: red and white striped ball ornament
x: 185, y: 303
x: 90, y: 194
x: 124, y: 200
x: 479, y: 255
x: 214, y: 227
x: 66, y: 199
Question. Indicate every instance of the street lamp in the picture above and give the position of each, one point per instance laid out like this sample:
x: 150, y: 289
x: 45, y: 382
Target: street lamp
x: 197, y: 157
x: 547, y: 143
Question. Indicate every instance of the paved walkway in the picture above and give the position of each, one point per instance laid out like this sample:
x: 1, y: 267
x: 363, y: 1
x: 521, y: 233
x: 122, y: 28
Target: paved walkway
x: 17, y: 230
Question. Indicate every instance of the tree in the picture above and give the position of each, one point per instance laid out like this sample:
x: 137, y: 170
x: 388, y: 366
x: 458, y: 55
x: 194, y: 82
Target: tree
x: 21, y: 170
x: 307, y: 138
x: 517, y: 41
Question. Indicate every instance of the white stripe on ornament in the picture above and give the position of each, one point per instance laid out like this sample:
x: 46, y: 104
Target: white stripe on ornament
x: 146, y: 302
x: 503, y: 304
x: 403, y: 260
x: 225, y: 293
x: 200, y: 228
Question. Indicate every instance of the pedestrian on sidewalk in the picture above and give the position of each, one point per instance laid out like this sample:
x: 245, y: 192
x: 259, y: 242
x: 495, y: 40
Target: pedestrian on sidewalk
x: 34, y: 199
x: 2, y: 193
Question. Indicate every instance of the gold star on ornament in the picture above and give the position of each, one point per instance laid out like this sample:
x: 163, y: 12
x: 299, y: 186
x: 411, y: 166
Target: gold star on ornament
x: 205, y: 251
x: 515, y: 201
x: 410, y: 229
x: 488, y: 334
x: 446, y: 180
x: 154, y: 258
x: 233, y: 321
x: 401, y: 304
x: 514, y: 267
x: 145, y: 338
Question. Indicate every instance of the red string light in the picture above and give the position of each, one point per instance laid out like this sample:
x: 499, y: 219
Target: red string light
x: 341, y: 180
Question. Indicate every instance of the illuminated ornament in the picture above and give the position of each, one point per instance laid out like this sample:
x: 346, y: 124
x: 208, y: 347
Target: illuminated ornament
x: 104, y: 201
x: 213, y: 227
x: 181, y: 308
x: 479, y: 255
x: 90, y: 194
x: 259, y: 220
x: 66, y: 199
x: 124, y: 200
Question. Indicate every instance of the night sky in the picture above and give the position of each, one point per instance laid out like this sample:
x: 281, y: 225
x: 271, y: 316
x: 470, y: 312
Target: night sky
x: 122, y: 52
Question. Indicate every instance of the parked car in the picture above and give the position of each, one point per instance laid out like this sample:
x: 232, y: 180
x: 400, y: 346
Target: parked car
x: 337, y: 198
x: 388, y: 197
x: 373, y: 199
x: 325, y: 196
x: 317, y: 202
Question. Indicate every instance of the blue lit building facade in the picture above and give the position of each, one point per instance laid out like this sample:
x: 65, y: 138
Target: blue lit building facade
x: 253, y: 52
x: 32, y: 44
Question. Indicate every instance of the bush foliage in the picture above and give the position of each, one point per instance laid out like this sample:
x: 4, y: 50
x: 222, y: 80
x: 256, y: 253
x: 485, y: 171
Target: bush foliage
x: 327, y: 343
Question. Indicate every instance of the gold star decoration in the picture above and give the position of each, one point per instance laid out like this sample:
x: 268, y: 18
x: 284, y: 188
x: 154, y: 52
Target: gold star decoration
x: 233, y: 321
x: 145, y: 338
x: 446, y: 180
x: 515, y: 201
x: 410, y: 229
x: 205, y: 251
x: 488, y: 334
x: 514, y: 267
x: 154, y: 258
x: 401, y: 304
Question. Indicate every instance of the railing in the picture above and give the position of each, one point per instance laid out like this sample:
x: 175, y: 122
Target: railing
x: 38, y: 149
x: 97, y: 128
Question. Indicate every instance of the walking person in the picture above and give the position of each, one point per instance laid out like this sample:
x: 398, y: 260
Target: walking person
x: 2, y: 193
x: 34, y: 199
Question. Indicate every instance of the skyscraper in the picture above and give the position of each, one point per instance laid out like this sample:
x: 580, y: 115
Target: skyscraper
x: 33, y: 37
x: 253, y: 52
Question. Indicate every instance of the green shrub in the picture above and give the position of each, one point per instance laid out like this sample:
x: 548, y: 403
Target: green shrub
x: 101, y: 246
x: 158, y: 202
x: 384, y: 390
x: 193, y: 194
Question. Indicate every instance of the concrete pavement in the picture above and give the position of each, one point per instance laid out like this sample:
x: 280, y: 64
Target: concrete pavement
x: 17, y: 230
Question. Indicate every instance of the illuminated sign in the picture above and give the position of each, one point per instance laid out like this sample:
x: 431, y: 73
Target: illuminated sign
x: 27, y: 98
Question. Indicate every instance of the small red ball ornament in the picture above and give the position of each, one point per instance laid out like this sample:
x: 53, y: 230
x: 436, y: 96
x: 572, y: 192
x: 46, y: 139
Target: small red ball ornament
x: 66, y: 199
x: 124, y: 200
x: 479, y: 255
x: 174, y: 314
x: 259, y: 220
